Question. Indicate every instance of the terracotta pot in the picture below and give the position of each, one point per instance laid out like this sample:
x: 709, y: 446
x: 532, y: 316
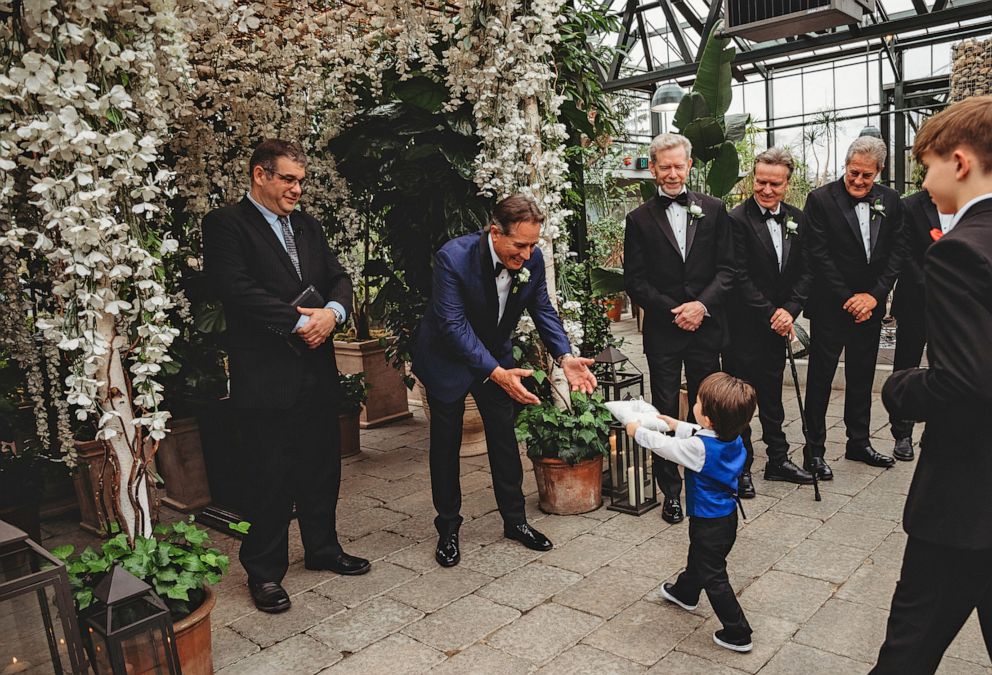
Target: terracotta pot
x: 351, y: 440
x: 193, y: 638
x: 473, y: 433
x: 180, y: 462
x: 565, y: 489
x: 614, y: 309
x: 387, y: 391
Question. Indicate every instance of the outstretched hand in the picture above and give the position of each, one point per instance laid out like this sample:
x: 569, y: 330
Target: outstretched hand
x: 577, y: 372
x: 510, y: 381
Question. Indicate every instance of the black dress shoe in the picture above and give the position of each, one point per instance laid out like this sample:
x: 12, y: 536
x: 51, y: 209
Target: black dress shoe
x: 745, y: 486
x: 527, y: 536
x: 671, y: 511
x: 818, y: 466
x: 269, y: 596
x: 903, y: 451
x: 447, y: 553
x: 788, y: 472
x: 342, y: 563
x: 867, y: 454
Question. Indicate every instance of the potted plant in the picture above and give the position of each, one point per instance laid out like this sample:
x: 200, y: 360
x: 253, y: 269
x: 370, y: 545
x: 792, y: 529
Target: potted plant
x: 177, y: 564
x: 567, y: 445
x: 354, y: 394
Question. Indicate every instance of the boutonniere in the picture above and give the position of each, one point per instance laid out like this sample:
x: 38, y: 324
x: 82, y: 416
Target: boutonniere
x: 695, y: 211
x: 936, y: 233
x: 791, y: 228
x: 877, y: 207
x: 523, y: 276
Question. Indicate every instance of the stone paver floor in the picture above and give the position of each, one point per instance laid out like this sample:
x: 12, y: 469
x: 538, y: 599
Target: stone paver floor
x: 815, y: 578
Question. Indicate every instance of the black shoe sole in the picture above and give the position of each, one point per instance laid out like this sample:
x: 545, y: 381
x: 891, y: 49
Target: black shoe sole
x: 347, y: 573
x: 782, y: 479
x: 526, y: 545
x: 273, y: 609
x: 879, y: 465
x: 910, y: 458
x: 444, y: 562
x: 673, y: 521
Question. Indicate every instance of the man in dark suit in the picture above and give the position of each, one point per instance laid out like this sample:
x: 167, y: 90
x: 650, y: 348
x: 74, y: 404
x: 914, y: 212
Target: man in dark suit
x: 772, y: 284
x: 678, y: 266
x: 482, y: 283
x: 260, y: 254
x: 854, y: 246
x: 947, y: 566
x: 920, y: 222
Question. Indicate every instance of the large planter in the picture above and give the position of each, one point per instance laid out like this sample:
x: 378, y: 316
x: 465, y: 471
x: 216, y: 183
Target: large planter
x: 473, y: 432
x: 566, y: 489
x: 614, y: 309
x: 351, y: 439
x: 387, y: 392
x: 180, y: 462
x: 193, y: 638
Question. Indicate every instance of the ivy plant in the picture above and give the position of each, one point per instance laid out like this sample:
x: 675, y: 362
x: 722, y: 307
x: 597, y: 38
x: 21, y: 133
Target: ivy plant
x: 573, y: 434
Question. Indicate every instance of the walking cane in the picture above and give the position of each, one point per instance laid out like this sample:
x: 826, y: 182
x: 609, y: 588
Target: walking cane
x: 802, y: 412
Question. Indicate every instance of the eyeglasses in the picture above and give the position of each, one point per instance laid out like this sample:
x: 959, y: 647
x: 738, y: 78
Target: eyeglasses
x: 288, y: 180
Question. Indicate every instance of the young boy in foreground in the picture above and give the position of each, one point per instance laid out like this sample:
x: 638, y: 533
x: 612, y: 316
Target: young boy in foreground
x: 713, y: 454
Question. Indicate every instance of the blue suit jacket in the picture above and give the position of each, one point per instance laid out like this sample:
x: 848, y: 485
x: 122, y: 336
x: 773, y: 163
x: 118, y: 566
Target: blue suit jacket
x: 459, y: 341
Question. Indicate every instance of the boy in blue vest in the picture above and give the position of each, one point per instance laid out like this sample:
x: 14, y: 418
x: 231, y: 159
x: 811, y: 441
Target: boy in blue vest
x: 713, y: 454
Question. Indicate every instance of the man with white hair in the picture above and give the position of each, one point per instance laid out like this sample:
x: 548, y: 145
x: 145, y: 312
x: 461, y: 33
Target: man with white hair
x: 678, y: 266
x: 855, y: 249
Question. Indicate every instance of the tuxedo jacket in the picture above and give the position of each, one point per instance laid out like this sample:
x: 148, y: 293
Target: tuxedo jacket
x: 255, y: 279
x: 460, y: 340
x: 919, y: 216
x: 761, y: 287
x: 836, y: 251
x: 658, y: 279
x: 950, y: 498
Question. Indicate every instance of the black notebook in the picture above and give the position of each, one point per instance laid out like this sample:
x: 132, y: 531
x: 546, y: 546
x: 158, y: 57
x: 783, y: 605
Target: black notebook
x: 308, y: 297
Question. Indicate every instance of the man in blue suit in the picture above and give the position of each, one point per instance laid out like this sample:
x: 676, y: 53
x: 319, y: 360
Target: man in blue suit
x: 482, y: 284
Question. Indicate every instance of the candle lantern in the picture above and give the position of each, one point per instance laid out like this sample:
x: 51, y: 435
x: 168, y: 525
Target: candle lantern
x: 636, y: 492
x: 32, y: 580
x: 129, y: 628
x: 619, y: 380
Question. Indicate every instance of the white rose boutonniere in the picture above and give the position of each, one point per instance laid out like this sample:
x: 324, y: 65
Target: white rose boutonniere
x: 791, y: 228
x: 695, y: 211
x: 877, y: 207
x: 523, y: 276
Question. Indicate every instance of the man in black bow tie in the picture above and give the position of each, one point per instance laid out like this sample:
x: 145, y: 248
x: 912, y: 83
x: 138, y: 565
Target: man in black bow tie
x: 772, y: 284
x: 855, y: 249
x: 678, y: 266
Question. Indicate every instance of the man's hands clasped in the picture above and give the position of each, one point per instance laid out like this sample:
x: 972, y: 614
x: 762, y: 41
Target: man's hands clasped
x: 860, y: 306
x: 689, y: 315
x: 320, y: 326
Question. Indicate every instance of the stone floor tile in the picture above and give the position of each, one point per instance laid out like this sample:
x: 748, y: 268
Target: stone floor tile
x: 438, y: 587
x: 498, y: 558
x: 378, y: 545
x: 969, y: 645
x: 375, y: 467
x: 544, y: 632
x: 526, y: 587
x: 586, y: 660
x: 656, y: 558
x: 475, y: 480
x: 680, y: 663
x: 388, y: 490
x: 781, y: 528
x: 351, y: 591
x: 951, y: 666
x: 846, y: 628
x: 233, y: 600
x: 770, y: 634
x: 871, y: 584
x: 787, y: 596
x: 416, y: 503
x: 802, y: 503
x: 299, y: 654
x: 755, y: 506
x: 420, y: 558
x: 482, y: 530
x: 230, y: 647
x: 892, y: 547
x: 644, y: 632
x: 604, y: 513
x: 769, y: 488
x: 629, y: 528
x: 461, y: 624
x: 752, y: 557
x: 396, y: 655
x: 478, y: 503
x: 482, y: 660
x: 563, y: 529
x: 606, y: 591
x: 896, y: 480
x: 308, y: 610
x: 357, y: 628
x: 847, y: 482
x: 873, y: 504
x: 585, y: 553
x: 354, y: 525
x: 854, y: 530
x: 796, y: 658
x: 419, y: 528
x: 355, y: 503
x: 358, y: 483
x: 822, y: 560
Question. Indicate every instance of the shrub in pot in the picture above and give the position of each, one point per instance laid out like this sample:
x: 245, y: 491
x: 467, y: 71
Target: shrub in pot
x: 354, y: 394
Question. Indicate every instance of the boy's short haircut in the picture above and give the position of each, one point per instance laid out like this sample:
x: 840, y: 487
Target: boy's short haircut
x: 967, y: 123
x: 729, y: 402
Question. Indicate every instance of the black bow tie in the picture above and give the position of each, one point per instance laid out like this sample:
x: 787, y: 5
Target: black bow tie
x: 681, y: 198
x: 777, y: 217
x: 861, y: 200
x: 500, y: 267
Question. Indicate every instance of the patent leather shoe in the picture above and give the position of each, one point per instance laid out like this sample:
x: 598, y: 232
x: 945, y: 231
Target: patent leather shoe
x: 903, y: 450
x: 671, y: 510
x: 527, y: 536
x: 819, y: 467
x: 447, y: 553
x: 342, y: 563
x: 745, y: 486
x: 863, y: 452
x: 269, y: 596
x: 788, y: 472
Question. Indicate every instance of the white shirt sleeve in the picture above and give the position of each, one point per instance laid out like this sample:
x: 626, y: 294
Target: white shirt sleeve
x: 684, y: 449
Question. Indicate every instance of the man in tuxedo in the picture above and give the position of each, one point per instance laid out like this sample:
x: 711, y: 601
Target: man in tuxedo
x: 259, y: 255
x: 678, y: 266
x: 947, y: 566
x: 772, y: 284
x: 482, y: 283
x: 853, y: 241
x: 920, y: 224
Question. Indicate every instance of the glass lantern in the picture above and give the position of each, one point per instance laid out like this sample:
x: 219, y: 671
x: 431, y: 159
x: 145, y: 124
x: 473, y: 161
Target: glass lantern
x: 632, y: 487
x: 32, y: 637
x: 617, y: 384
x: 129, y: 628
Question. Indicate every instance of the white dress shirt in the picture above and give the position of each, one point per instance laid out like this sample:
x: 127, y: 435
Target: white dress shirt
x: 678, y: 219
x: 863, y: 211
x: 946, y: 221
x: 503, y: 280
x: 775, y: 230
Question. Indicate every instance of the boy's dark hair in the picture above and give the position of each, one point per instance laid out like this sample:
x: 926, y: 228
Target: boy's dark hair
x: 729, y: 402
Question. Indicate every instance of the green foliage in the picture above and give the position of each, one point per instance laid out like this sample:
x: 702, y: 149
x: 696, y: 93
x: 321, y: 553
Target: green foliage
x: 175, y: 562
x: 354, y: 392
x: 575, y: 434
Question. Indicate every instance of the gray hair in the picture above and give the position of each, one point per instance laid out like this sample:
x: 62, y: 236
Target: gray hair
x: 667, y: 142
x: 868, y: 145
x: 776, y: 156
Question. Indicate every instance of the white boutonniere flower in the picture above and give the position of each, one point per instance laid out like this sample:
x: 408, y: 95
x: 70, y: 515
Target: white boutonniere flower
x: 695, y: 211
x: 877, y: 207
x: 791, y: 228
x: 523, y: 276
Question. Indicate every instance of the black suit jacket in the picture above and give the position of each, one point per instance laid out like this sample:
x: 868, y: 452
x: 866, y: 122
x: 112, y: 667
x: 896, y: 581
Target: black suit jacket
x: 950, y: 499
x: 255, y: 279
x: 919, y: 216
x: 760, y: 287
x: 658, y: 280
x: 836, y: 252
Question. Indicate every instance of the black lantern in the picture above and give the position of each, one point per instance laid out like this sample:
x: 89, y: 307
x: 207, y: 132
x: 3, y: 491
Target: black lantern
x: 31, y: 640
x: 617, y: 384
x: 632, y: 488
x: 129, y: 628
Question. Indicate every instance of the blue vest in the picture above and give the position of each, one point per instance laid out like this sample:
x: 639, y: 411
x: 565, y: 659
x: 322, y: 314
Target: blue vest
x: 710, y: 492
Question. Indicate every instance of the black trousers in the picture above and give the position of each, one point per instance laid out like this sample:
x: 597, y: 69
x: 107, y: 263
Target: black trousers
x: 760, y: 360
x: 937, y: 591
x: 911, y: 338
x: 498, y: 416
x: 710, y: 542
x: 831, y: 332
x: 292, y: 456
